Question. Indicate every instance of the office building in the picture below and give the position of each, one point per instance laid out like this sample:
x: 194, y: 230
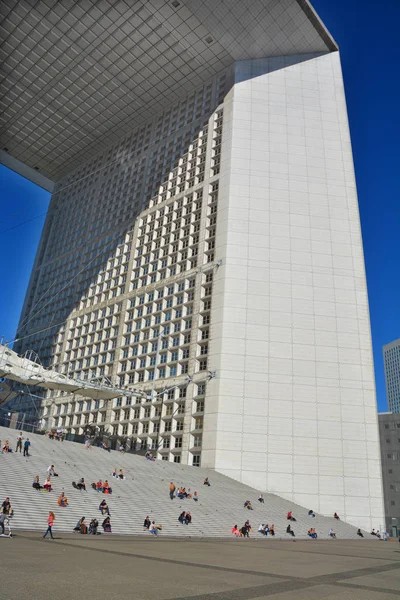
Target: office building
x: 391, y: 361
x: 203, y: 240
x: 389, y: 431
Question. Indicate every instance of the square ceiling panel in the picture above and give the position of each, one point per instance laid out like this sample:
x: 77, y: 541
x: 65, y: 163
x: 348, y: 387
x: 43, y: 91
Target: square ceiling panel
x: 108, y: 48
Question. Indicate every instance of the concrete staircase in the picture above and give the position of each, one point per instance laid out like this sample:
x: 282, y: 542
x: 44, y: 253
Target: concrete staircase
x: 144, y: 491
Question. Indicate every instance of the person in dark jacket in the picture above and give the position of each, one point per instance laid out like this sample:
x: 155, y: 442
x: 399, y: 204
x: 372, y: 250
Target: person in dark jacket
x: 93, y: 526
x: 106, y: 525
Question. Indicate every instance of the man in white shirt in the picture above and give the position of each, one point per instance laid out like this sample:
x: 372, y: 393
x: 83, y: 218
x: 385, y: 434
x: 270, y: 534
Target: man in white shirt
x: 19, y: 442
x: 153, y: 529
x: 51, y: 472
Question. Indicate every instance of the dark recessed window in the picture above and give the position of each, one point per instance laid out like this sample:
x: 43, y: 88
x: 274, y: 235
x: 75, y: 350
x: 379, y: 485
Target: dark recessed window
x: 175, y: 3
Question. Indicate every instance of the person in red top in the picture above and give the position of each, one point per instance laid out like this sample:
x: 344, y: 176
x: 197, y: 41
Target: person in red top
x: 50, y: 522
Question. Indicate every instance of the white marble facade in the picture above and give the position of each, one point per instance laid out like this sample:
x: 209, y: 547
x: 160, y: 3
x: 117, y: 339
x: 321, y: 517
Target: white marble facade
x: 292, y: 409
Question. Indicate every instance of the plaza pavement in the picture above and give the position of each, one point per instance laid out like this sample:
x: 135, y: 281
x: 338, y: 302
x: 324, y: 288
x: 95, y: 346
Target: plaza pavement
x: 73, y: 567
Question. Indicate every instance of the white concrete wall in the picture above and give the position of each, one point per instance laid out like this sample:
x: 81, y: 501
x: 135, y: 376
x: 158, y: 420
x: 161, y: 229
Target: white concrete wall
x: 292, y: 409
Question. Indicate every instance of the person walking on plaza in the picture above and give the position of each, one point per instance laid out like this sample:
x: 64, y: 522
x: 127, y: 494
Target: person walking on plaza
x: 3, y: 517
x: 50, y: 522
x: 26, y: 447
x: 19, y: 442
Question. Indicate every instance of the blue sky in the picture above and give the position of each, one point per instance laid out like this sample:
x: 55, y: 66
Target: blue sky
x: 367, y: 34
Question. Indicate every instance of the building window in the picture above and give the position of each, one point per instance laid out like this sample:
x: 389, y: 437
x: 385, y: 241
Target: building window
x: 177, y: 459
x: 198, y: 423
x: 201, y: 389
x: 196, y: 460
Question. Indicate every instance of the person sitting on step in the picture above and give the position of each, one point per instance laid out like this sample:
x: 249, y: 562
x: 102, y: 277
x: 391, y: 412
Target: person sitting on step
x: 290, y: 517
x: 80, y: 485
x: 261, y: 499
x: 312, y: 533
x: 290, y: 530
x: 332, y: 534
x: 261, y: 529
x: 106, y: 488
x: 36, y: 483
x: 6, y: 507
x: 106, y: 525
x: 206, y: 482
x: 182, y: 517
x: 245, y: 530
x: 248, y: 505
x: 81, y: 526
x: 272, y: 530
x: 62, y: 500
x: 114, y: 473
x: 93, y: 526
x: 336, y: 516
x: 359, y: 533
x: 51, y: 472
x: 236, y: 531
x: 103, y: 507
x: 153, y: 528
x: 99, y: 485
x: 120, y: 474
x: 146, y: 523
x: 47, y: 485
x: 195, y: 497
x: 311, y: 513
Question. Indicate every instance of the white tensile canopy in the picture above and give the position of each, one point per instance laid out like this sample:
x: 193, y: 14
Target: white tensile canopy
x: 23, y: 370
